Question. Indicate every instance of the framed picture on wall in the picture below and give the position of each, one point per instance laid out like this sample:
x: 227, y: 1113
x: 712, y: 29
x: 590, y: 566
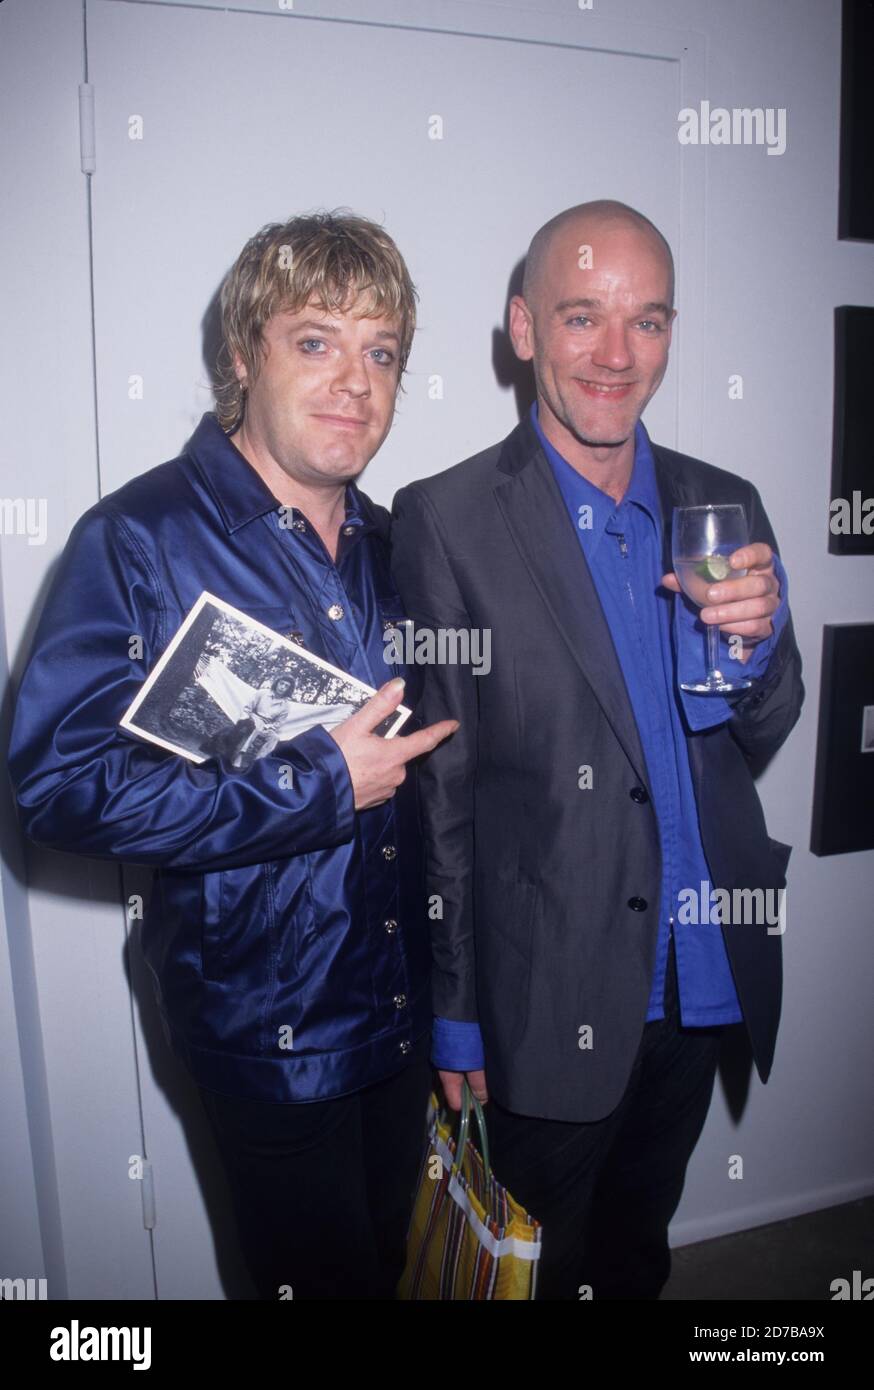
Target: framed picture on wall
x: 843, y: 797
x: 851, y: 506
x: 856, y: 197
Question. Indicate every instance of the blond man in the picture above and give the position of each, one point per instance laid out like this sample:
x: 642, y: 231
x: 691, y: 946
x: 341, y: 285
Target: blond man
x: 286, y: 930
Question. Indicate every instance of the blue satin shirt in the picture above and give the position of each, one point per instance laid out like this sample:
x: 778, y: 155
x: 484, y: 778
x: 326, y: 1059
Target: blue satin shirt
x: 287, y: 933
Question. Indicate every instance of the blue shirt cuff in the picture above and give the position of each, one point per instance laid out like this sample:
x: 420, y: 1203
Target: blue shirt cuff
x: 757, y: 663
x: 457, y: 1046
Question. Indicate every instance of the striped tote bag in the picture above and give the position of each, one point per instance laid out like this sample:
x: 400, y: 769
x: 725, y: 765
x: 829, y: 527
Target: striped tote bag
x: 468, y: 1238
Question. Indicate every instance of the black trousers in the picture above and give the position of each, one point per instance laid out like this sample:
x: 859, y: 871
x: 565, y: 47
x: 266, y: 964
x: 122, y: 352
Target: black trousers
x: 605, y: 1191
x: 323, y: 1190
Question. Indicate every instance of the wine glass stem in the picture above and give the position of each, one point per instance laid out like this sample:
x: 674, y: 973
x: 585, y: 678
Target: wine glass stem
x: 713, y: 672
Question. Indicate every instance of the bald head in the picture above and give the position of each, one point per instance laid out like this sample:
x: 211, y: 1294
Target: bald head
x: 595, y: 319
x: 586, y: 221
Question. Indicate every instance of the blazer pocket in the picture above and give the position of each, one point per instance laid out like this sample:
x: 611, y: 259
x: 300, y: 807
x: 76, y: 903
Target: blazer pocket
x: 211, y: 917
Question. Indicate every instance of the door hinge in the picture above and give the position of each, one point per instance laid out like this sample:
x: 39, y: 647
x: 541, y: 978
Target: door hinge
x: 87, y: 153
x: 147, y: 1185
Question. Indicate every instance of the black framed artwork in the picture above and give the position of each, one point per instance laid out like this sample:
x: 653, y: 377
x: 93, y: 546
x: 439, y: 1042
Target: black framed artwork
x: 843, y: 797
x: 851, y: 507
x: 856, y: 198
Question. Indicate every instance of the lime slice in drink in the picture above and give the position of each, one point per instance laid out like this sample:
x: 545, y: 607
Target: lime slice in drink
x: 714, y: 568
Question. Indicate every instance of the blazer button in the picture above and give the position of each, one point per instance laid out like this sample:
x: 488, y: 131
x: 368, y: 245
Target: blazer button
x: 637, y: 904
x: 405, y: 1047
x: 391, y: 926
x: 400, y: 1001
x: 639, y: 794
x: 335, y: 612
x: 389, y: 852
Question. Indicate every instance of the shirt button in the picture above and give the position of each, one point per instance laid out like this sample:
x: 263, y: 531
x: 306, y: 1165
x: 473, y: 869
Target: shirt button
x: 405, y: 1047
x: 637, y: 904
x: 335, y: 612
x: 639, y: 794
x: 400, y: 1001
x: 348, y: 530
x: 391, y: 926
x: 389, y: 852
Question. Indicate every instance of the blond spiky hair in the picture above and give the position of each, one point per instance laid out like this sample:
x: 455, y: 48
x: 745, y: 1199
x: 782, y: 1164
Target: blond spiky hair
x: 334, y: 259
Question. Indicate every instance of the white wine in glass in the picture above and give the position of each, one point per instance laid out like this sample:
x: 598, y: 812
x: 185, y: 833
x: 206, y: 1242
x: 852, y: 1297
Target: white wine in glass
x: 703, y: 538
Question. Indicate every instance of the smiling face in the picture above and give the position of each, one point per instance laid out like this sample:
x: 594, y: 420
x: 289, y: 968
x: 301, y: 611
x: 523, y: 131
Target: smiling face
x: 324, y: 397
x: 598, y: 337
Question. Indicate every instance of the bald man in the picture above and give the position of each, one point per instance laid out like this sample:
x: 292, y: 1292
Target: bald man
x: 587, y: 805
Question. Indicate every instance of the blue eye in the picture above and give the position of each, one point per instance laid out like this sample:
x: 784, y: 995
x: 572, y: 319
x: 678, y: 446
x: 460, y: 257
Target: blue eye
x: 387, y: 357
x: 305, y: 343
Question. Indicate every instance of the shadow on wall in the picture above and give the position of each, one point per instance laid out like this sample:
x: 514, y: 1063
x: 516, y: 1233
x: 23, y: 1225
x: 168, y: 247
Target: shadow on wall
x: 183, y: 1098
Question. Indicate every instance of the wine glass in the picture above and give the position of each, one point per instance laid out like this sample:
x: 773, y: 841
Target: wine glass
x: 703, y: 538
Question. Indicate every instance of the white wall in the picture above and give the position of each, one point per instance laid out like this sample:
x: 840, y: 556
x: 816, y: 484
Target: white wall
x: 83, y: 1112
x: 774, y: 272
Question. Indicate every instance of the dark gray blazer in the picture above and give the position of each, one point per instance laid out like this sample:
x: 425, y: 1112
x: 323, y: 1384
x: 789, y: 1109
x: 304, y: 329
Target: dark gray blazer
x: 536, y: 876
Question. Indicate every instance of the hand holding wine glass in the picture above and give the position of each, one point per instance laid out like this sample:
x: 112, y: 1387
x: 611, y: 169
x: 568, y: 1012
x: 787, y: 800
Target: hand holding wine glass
x: 732, y: 578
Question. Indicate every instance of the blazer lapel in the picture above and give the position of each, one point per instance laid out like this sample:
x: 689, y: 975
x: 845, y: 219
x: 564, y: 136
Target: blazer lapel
x: 535, y: 513
x: 675, y: 490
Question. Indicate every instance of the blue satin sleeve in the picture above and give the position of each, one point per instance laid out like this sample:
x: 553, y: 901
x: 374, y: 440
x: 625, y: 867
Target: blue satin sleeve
x: 84, y: 785
x: 456, y: 1046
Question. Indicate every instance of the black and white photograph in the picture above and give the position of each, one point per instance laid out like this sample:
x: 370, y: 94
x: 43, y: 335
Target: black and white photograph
x: 227, y: 686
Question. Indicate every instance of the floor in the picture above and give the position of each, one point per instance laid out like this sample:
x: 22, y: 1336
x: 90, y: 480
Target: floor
x: 795, y: 1259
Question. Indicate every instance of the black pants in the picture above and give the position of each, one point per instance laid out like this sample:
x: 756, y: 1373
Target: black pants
x: 605, y: 1191
x: 323, y: 1190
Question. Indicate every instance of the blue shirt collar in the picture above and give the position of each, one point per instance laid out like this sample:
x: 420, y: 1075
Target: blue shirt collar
x: 642, y: 488
x: 239, y: 491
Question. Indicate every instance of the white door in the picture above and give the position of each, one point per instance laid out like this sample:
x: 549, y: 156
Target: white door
x: 210, y: 123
